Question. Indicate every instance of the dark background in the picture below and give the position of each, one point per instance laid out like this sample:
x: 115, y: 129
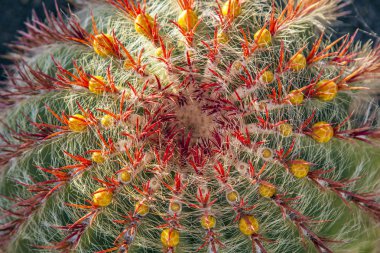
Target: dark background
x: 13, y: 13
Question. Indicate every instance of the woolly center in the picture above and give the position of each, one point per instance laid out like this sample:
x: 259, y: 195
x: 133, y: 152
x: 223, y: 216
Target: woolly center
x: 192, y: 119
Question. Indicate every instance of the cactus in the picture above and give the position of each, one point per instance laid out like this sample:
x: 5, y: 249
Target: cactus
x: 190, y: 125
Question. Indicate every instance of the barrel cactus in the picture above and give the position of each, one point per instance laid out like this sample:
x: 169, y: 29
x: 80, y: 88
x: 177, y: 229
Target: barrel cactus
x: 190, y: 125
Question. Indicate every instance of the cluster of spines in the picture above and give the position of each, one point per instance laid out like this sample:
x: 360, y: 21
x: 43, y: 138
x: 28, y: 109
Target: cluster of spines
x: 106, y: 45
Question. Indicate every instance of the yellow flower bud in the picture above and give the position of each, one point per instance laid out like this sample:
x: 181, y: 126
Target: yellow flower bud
x: 266, y: 153
x: 141, y: 209
x: 102, y: 197
x: 223, y: 38
x: 208, y: 221
x: 285, y: 129
x: 77, y: 124
x: 232, y: 196
x: 98, y: 157
x: 248, y: 225
x: 296, y: 97
x: 159, y: 52
x: 96, y: 85
x: 298, y: 63
x: 237, y: 65
x: 326, y: 90
x: 263, y: 38
x: 231, y: 8
x: 267, y: 77
x: 107, y: 121
x: 267, y: 190
x: 299, y: 168
x: 322, y: 132
x: 103, y: 45
x: 187, y: 19
x: 143, y: 24
x: 125, y: 176
x: 175, y: 207
x: 170, y: 237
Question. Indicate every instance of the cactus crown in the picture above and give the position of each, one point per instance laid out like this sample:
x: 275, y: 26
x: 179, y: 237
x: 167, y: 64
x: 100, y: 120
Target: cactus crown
x: 188, y: 125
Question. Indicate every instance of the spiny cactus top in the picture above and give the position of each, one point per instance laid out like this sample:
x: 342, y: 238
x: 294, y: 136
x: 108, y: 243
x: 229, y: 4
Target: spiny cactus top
x: 190, y: 125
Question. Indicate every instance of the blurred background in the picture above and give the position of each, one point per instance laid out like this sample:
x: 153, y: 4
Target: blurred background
x: 364, y: 15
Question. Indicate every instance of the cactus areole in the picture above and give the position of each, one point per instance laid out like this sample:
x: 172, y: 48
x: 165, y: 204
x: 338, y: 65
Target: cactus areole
x: 190, y: 125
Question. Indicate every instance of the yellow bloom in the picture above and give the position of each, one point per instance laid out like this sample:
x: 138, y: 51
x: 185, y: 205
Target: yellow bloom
x: 102, y: 197
x: 298, y: 62
x: 263, y: 38
x: 299, y: 168
x: 144, y: 24
x: 231, y: 8
x: 187, y: 19
x: 170, y: 237
x: 322, y: 132
x: 77, y: 123
x: 208, y: 221
x: 248, y: 225
x: 103, y: 45
x: 326, y: 90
